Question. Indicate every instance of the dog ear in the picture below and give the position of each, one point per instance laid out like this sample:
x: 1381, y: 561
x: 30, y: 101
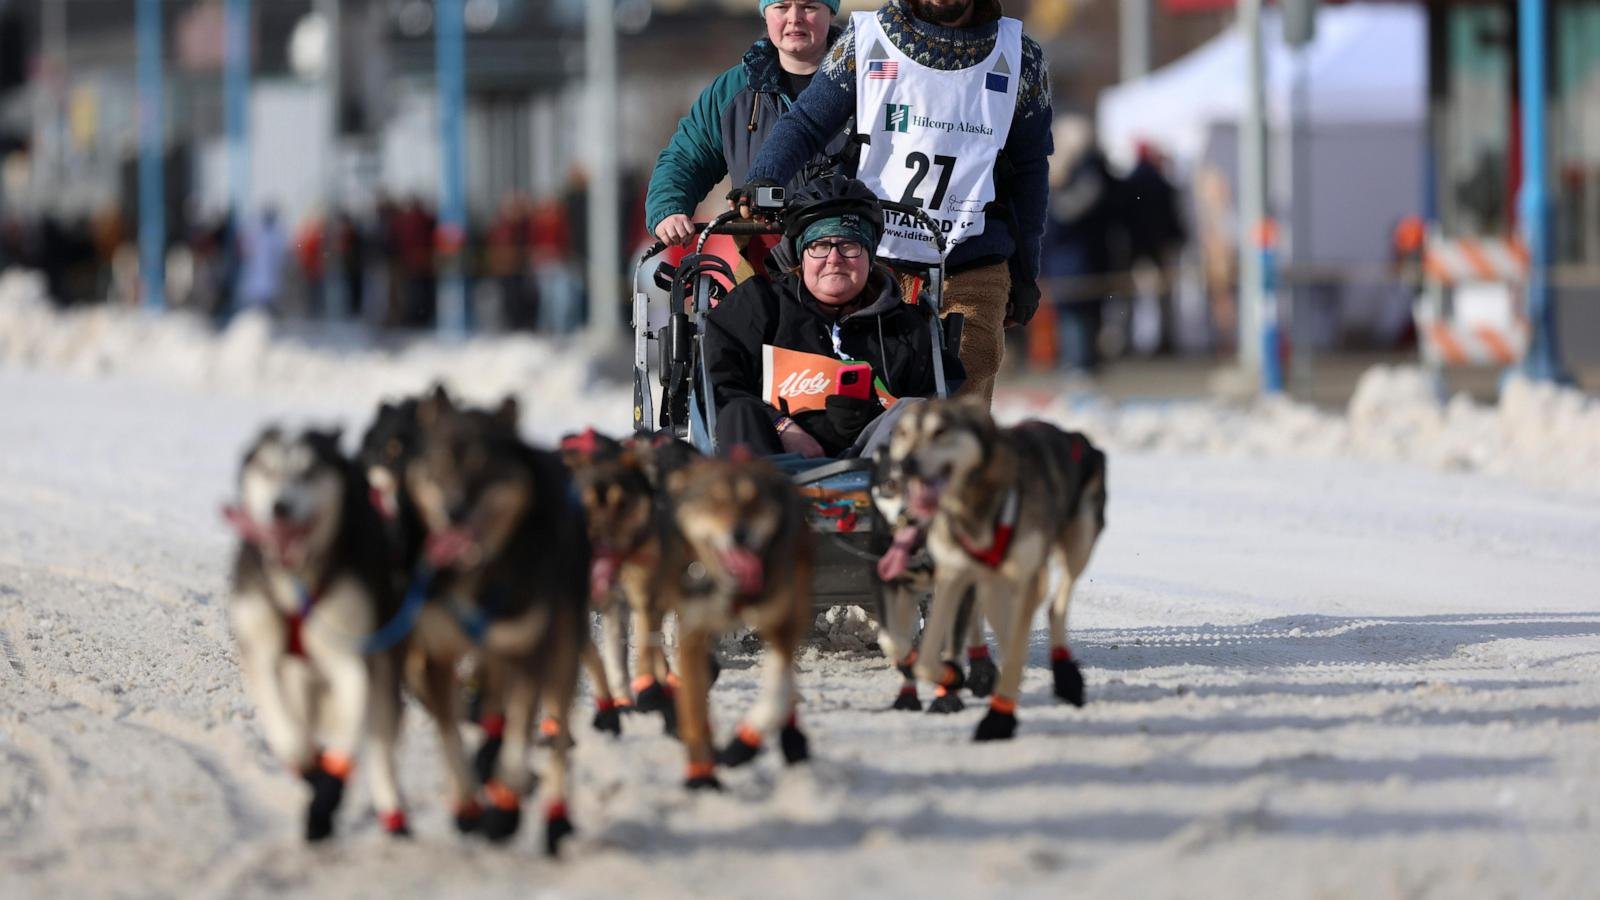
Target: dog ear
x: 507, y: 412
x: 432, y: 408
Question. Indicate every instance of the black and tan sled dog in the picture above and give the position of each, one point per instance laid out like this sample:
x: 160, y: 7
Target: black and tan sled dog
x: 311, y: 585
x: 744, y: 557
x: 997, y: 507
x: 505, y: 533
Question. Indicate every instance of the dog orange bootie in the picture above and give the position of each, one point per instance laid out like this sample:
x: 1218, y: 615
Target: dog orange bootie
x: 504, y: 815
x: 1068, y: 677
x: 745, y: 745
x: 488, y: 753
x: 326, y: 777
x: 557, y: 827
x: 796, y: 748
x: 702, y: 777
x: 907, y: 699
x: 945, y: 698
x: 607, y: 716
x: 1000, y: 724
x: 981, y: 671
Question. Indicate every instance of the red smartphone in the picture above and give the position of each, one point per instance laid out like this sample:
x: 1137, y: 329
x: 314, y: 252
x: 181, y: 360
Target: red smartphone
x: 855, y: 380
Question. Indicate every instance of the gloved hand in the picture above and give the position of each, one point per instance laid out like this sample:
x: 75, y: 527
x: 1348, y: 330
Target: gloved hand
x: 1024, y: 302
x: 847, y: 416
x: 743, y: 197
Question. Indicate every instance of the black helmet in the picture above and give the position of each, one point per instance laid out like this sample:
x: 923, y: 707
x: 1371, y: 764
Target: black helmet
x: 830, y: 195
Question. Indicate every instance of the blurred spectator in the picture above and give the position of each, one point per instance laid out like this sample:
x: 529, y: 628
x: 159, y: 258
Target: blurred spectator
x: 506, y: 261
x: 551, y: 240
x: 1219, y: 253
x: 1156, y: 235
x: 414, y: 228
x: 264, y: 247
x: 1076, y: 253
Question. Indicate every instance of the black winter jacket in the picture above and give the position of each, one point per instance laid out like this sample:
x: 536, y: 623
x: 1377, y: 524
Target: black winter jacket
x: 888, y: 333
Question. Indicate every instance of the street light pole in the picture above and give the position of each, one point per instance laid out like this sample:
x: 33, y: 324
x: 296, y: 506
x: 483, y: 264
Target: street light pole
x: 1258, y: 313
x: 335, y: 305
x: 1543, y: 361
x: 450, y: 53
x: 600, y: 39
x: 152, y: 190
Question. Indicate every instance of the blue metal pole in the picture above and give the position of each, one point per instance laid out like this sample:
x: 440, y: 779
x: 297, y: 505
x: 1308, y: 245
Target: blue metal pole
x: 1543, y: 361
x: 451, y: 63
x: 236, y: 112
x: 152, y: 190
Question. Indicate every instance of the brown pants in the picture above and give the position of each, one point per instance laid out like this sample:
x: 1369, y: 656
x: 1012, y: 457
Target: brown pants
x: 980, y: 295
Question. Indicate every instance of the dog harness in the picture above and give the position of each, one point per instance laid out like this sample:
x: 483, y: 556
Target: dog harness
x: 1000, y: 541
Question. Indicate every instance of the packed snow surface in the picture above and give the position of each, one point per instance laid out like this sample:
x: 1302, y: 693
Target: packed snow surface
x: 1315, y: 667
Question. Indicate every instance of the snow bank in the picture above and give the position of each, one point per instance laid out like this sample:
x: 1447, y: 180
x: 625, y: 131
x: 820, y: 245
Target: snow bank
x: 1537, y: 433
x: 554, y: 382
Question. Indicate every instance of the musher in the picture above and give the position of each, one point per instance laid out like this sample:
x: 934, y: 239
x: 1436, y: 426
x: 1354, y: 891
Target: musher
x: 952, y: 108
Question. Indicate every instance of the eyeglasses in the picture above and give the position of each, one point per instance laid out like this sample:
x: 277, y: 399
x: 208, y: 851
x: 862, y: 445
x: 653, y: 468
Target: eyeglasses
x: 847, y: 249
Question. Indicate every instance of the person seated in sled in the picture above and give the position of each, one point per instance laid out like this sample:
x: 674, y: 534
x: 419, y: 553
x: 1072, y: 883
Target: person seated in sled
x: 810, y: 359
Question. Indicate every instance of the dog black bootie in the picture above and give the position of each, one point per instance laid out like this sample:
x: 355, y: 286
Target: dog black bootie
x: 945, y: 702
x: 608, y: 717
x: 469, y: 818
x: 714, y: 666
x: 1000, y: 723
x: 652, y: 696
x: 981, y: 672
x: 796, y: 747
x: 743, y: 748
x: 702, y: 777
x: 486, y: 758
x: 557, y: 828
x: 504, y: 815
x: 327, y: 791
x: 1068, y: 677
x: 907, y: 699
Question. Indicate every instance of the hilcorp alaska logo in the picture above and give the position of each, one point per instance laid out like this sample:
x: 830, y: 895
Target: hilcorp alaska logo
x: 804, y: 383
x: 899, y: 117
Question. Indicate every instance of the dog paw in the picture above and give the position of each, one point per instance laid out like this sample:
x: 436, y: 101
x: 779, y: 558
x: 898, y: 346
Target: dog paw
x: 740, y: 750
x: 486, y: 758
x: 907, y: 699
x: 499, y: 824
x: 653, y: 698
x: 702, y: 783
x: 981, y: 676
x: 796, y: 747
x: 608, y: 721
x: 946, y: 703
x: 1068, y: 681
x: 996, y: 726
x: 557, y: 828
x: 669, y: 720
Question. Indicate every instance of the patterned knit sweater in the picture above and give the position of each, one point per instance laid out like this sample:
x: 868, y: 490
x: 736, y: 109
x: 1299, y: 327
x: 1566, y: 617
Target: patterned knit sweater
x: 830, y: 101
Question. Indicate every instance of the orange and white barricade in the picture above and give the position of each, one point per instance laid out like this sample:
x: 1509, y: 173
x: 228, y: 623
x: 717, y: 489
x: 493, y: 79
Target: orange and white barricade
x: 1471, y: 311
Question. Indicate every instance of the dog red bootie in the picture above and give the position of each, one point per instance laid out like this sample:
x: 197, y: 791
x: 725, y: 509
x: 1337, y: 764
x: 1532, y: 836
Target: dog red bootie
x: 557, y: 827
x: 607, y: 716
x: 504, y: 815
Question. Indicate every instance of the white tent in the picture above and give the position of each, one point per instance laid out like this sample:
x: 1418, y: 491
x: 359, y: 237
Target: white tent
x: 1368, y: 64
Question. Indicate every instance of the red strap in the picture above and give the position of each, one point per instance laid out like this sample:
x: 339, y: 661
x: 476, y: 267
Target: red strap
x: 296, y: 645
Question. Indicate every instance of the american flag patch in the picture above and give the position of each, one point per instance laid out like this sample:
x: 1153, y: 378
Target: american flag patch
x: 883, y: 69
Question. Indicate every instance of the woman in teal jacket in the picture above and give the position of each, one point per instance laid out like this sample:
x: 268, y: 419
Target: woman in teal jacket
x: 731, y: 119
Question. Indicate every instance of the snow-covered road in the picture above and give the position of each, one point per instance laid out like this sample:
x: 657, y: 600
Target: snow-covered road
x: 1308, y: 678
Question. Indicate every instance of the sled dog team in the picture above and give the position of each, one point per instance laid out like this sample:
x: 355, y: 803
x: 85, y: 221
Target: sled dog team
x: 452, y: 558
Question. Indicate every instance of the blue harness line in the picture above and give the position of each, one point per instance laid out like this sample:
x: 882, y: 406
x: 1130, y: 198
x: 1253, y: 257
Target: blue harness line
x: 399, y: 626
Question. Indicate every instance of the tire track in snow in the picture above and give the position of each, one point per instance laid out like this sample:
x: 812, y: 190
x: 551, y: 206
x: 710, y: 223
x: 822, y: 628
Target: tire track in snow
x: 10, y: 651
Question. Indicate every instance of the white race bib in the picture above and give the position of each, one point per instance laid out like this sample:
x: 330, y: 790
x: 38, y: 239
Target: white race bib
x: 934, y: 135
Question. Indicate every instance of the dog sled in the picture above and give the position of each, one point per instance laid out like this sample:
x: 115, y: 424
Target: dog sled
x: 672, y: 391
